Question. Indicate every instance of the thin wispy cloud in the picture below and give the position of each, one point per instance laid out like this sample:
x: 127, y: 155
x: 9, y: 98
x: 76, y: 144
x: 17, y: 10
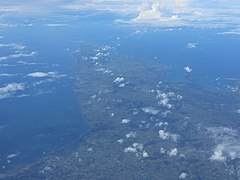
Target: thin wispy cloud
x: 10, y: 89
x: 19, y: 55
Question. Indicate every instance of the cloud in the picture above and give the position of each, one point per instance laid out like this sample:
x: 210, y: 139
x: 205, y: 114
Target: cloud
x: 10, y: 89
x: 38, y: 74
x: 130, y: 150
x: 162, y: 150
x: 54, y: 75
x: 150, y: 110
x: 119, y: 80
x: 166, y: 135
x: 192, y: 45
x: 183, y: 175
x: 117, y: 6
x: 232, y: 32
x: 173, y: 152
x: 195, y: 13
x: 164, y: 98
x: 7, y: 75
x: 227, y: 143
x: 137, y: 149
x: 19, y: 55
x: 131, y: 135
x: 120, y: 141
x: 125, y: 121
x: 218, y: 154
x: 145, y: 154
x: 161, y: 13
x: 188, y: 69
x: 55, y: 25
x: 13, y: 46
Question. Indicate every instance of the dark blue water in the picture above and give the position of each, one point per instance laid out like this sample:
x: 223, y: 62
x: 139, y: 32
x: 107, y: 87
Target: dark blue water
x: 46, y: 114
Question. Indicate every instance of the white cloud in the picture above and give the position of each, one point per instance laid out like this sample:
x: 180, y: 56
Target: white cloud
x: 130, y: 150
x: 145, y: 154
x: 137, y: 149
x: 164, y: 99
x: 183, y: 175
x: 218, y: 154
x: 191, y: 45
x: 19, y: 55
x: 162, y: 150
x: 227, y: 143
x: 125, y: 121
x: 10, y: 89
x: 131, y: 135
x: 188, y: 69
x: 120, y: 141
x: 119, y: 80
x: 7, y: 75
x: 163, y: 135
x: 13, y: 46
x: 138, y: 146
x: 12, y: 155
x: 54, y: 75
x: 117, y: 6
x: 232, y: 32
x: 55, y: 25
x: 166, y: 135
x: 173, y: 152
x: 150, y: 110
x: 195, y: 13
x: 38, y: 74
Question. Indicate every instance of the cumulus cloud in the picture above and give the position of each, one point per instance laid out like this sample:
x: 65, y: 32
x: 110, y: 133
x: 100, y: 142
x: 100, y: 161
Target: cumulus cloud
x: 227, y: 143
x: 120, y: 141
x: 130, y: 150
x: 183, y: 175
x: 131, y: 135
x: 164, y: 99
x: 211, y: 13
x: 145, y: 154
x: 10, y: 89
x: 187, y: 13
x: 137, y: 149
x: 218, y: 154
x: 188, y: 69
x: 119, y: 80
x: 162, y: 150
x: 166, y: 135
x: 173, y: 152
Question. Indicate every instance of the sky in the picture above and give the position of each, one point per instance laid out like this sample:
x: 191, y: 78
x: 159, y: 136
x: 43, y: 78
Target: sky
x: 197, y: 13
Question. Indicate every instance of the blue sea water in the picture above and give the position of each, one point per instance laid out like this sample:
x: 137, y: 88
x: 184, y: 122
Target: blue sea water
x: 46, y: 114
